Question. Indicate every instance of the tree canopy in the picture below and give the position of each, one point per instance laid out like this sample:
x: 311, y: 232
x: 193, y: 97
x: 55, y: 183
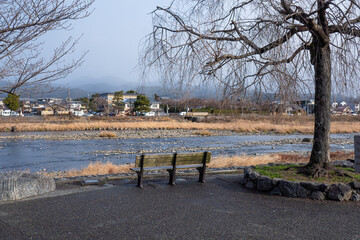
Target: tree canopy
x: 142, y: 104
x: 22, y: 24
x: 12, y: 101
x: 277, y: 45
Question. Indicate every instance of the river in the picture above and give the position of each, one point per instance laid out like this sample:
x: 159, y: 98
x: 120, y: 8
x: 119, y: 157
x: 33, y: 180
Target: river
x: 61, y: 155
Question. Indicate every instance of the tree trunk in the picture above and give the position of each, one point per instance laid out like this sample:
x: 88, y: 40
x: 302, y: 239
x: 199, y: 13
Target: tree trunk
x: 320, y: 154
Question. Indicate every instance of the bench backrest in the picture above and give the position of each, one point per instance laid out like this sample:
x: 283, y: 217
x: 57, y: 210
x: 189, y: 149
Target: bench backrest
x: 163, y: 160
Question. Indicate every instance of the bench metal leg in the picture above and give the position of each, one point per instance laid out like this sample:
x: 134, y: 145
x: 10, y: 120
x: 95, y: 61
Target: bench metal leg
x: 201, y: 174
x: 172, y: 178
x: 140, y: 179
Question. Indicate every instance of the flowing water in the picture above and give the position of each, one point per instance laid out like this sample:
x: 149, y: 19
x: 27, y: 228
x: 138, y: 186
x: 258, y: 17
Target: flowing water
x: 54, y: 155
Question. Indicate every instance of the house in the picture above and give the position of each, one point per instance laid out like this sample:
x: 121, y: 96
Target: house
x: 308, y: 105
x: 49, y: 100
x: 155, y: 106
x: 343, y: 104
x: 128, y: 105
x: 5, y: 112
x: 334, y: 105
x: 342, y: 110
x: 357, y: 107
x: 110, y: 97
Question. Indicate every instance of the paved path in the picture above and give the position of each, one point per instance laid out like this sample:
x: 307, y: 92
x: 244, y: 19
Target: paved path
x: 218, y: 209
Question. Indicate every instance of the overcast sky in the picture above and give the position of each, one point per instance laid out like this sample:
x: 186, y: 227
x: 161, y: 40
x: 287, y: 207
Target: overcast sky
x: 112, y: 35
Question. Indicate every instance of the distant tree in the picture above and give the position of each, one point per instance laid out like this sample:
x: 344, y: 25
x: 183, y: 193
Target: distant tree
x: 142, y: 104
x: 84, y: 100
x: 157, y: 98
x: 118, y: 101
x: 132, y: 92
x: 22, y: 23
x: 57, y: 108
x: 97, y: 103
x: 12, y: 101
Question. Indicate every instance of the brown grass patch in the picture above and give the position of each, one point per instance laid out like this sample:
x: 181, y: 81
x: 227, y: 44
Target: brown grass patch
x: 248, y: 160
x: 252, y: 123
x: 202, y: 133
x: 95, y: 168
x: 107, y: 134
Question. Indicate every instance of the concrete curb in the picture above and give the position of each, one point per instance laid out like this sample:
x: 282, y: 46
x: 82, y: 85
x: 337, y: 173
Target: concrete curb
x: 20, y: 185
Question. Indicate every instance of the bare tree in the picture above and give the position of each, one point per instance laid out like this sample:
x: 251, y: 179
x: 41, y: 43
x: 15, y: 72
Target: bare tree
x: 274, y: 45
x: 22, y: 24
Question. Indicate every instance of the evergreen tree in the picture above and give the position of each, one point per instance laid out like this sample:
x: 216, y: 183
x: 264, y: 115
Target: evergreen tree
x: 142, y: 104
x: 12, y: 101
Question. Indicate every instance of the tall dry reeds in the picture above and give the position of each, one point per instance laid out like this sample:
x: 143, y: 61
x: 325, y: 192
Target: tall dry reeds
x: 266, y: 124
x: 94, y: 168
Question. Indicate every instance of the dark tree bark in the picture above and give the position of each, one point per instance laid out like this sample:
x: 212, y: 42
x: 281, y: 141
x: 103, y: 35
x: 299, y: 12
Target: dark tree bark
x: 320, y: 154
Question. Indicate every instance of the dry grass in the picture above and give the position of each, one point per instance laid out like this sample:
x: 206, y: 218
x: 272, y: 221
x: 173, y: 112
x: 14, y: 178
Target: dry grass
x: 95, y: 168
x: 202, y: 133
x: 247, y: 160
x: 107, y: 134
x: 279, y: 124
x: 100, y: 168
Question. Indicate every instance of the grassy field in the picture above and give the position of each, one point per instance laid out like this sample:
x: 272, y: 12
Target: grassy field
x: 103, y: 168
x: 253, y: 124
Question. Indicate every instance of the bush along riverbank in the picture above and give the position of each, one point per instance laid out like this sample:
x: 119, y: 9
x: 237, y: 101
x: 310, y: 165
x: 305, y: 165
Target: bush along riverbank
x: 317, y: 190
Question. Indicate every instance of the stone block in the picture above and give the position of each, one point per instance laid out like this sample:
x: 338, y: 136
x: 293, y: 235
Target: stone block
x: 264, y: 184
x: 19, y: 185
x: 339, y: 192
x: 275, y: 191
x: 355, y: 197
x: 317, y: 195
x: 250, y: 185
x: 288, y: 188
x: 355, y: 185
x: 301, y: 191
x: 311, y: 186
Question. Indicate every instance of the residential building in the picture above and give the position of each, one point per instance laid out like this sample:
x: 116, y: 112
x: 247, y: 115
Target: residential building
x: 110, y: 97
x: 342, y: 110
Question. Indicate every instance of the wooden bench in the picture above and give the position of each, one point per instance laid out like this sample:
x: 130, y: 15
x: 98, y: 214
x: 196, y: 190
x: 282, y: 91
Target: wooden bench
x: 171, y: 162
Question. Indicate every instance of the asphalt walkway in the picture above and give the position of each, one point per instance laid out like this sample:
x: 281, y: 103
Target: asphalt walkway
x: 219, y: 209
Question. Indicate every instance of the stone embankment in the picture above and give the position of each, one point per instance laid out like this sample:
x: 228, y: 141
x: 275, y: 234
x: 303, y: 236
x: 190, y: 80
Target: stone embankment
x: 316, y: 191
x: 19, y: 185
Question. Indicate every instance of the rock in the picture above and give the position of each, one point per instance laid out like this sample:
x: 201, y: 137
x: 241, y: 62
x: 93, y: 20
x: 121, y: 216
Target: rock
x: 355, y: 185
x: 242, y: 179
x: 311, y: 186
x: 250, y: 185
x: 19, y: 185
x: 247, y: 172
x: 301, y: 191
x: 339, y: 192
x: 306, y: 140
x: 288, y: 188
x: 264, y: 184
x: 254, y: 176
x: 317, y: 195
x: 275, y: 181
x: 324, y: 187
x: 355, y: 197
x: 275, y: 191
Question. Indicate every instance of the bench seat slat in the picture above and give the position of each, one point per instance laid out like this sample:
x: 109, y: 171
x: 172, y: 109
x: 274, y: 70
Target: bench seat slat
x: 166, y: 167
x: 162, y: 160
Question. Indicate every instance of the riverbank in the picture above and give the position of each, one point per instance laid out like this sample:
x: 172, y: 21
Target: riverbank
x: 249, y: 124
x: 99, y: 168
